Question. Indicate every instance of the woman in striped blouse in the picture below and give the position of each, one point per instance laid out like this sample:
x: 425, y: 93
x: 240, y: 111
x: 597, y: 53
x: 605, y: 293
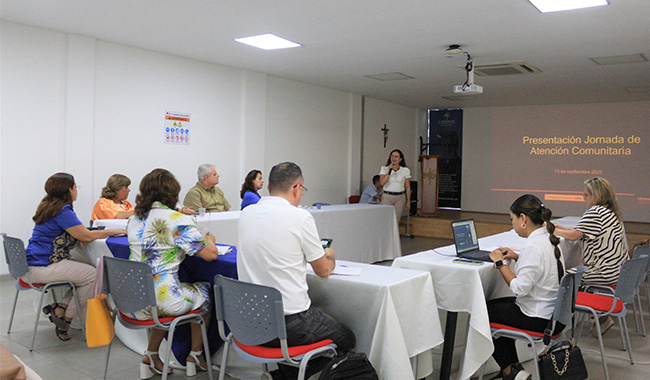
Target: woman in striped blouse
x: 602, y: 237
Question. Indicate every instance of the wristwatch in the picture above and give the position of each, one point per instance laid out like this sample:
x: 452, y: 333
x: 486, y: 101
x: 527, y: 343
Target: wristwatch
x: 498, y: 263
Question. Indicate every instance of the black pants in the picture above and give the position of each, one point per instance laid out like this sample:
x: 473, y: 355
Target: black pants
x: 505, y: 311
x: 311, y: 326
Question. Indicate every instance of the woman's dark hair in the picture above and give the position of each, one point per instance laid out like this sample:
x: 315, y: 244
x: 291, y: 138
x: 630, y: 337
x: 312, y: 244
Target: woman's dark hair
x: 58, y: 188
x: 248, y: 183
x: 401, y: 155
x: 159, y: 185
x: 532, y: 207
x: 113, y: 185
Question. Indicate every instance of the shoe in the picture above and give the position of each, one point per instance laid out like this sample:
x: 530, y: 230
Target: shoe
x: 498, y: 376
x: 148, y: 370
x: 59, y: 322
x: 604, y: 326
x: 63, y: 333
x: 190, y: 367
x: 517, y: 372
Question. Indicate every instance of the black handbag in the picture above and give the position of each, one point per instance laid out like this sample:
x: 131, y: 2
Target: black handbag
x: 350, y: 366
x: 563, y: 360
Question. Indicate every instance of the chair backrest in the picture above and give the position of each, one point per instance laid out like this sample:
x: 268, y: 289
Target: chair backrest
x: 628, y: 278
x: 254, y: 313
x: 15, y: 256
x: 130, y: 284
x: 566, y: 295
x: 354, y: 199
x: 640, y: 251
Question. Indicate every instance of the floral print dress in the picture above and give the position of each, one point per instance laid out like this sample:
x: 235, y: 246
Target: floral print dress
x: 162, y: 240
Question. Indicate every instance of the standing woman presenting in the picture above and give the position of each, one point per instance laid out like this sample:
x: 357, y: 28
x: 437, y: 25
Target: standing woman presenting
x: 395, y: 177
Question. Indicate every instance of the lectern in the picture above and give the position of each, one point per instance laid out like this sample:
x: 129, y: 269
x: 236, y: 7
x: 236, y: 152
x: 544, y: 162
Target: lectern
x: 429, y: 185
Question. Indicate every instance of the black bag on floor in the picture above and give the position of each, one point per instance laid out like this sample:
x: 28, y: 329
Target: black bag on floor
x: 562, y: 360
x: 351, y: 366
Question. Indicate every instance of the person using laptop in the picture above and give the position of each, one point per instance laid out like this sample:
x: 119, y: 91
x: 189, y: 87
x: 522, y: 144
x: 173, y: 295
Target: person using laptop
x: 535, y: 280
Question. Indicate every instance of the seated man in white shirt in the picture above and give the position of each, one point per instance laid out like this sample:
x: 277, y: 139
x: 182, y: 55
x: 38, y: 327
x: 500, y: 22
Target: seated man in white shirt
x: 372, y: 193
x: 277, y: 240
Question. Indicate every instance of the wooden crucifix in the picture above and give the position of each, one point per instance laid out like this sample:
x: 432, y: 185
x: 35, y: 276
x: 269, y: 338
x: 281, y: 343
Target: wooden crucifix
x: 385, y: 134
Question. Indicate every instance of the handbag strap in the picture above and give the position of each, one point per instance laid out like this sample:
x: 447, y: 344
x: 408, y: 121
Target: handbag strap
x: 551, y: 323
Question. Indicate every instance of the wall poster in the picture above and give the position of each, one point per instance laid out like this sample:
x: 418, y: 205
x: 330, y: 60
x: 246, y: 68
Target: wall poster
x: 177, y: 128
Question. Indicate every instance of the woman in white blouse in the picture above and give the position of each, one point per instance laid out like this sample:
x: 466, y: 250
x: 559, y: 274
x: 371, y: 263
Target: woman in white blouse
x: 535, y: 281
x: 395, y: 178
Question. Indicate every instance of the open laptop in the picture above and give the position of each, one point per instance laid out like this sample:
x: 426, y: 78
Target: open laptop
x: 466, y: 241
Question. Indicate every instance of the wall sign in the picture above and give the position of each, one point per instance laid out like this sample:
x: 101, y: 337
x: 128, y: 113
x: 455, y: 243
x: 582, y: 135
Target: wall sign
x: 177, y: 128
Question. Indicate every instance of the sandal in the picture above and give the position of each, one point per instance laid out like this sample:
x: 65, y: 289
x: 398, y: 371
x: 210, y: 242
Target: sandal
x: 148, y: 370
x: 191, y: 367
x: 59, y: 322
x: 63, y: 334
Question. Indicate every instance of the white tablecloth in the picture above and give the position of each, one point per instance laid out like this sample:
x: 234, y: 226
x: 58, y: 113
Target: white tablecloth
x: 392, y: 312
x: 360, y: 232
x: 465, y: 288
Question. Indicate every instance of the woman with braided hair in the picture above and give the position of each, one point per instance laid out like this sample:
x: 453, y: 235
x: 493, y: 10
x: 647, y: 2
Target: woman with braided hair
x: 535, y: 280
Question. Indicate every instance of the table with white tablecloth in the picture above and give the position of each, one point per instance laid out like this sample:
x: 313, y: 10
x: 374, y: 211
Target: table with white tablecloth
x: 360, y: 232
x: 465, y: 288
x: 391, y: 312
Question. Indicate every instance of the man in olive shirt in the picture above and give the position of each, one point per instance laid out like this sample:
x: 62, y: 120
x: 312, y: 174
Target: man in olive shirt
x: 206, y: 194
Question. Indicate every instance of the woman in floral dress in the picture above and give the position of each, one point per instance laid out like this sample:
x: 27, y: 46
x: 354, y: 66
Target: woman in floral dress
x: 162, y: 237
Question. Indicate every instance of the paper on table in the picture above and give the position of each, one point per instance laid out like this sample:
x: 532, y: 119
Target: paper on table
x: 223, y: 249
x: 341, y: 270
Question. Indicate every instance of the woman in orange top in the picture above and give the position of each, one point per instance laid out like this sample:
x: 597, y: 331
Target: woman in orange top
x: 113, y: 203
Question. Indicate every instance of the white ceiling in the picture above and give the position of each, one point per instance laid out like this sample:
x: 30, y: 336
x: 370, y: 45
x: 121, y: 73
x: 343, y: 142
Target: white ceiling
x: 344, y: 40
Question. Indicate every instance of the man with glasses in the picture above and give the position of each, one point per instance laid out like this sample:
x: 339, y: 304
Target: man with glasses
x: 277, y: 240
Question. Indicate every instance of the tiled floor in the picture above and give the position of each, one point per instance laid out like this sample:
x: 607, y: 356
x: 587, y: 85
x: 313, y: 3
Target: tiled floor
x: 54, y: 359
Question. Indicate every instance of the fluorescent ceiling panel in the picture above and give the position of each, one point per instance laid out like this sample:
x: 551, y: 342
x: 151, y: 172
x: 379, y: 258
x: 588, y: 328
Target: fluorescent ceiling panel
x: 267, y: 42
x: 389, y: 76
x: 546, y: 6
x: 616, y: 59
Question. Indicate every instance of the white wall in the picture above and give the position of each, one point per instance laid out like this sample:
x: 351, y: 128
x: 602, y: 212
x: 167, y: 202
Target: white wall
x: 92, y: 108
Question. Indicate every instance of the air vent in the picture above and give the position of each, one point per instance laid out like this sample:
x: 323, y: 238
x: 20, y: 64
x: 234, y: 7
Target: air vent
x: 505, y: 68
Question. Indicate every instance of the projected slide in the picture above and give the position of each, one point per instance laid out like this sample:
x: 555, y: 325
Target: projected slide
x: 550, y: 151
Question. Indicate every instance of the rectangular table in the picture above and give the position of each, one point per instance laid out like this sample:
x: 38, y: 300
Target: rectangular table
x: 465, y: 288
x: 360, y: 232
x: 392, y: 326
x: 390, y: 312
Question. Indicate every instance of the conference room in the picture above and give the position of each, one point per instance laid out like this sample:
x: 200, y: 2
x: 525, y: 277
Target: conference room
x: 86, y: 89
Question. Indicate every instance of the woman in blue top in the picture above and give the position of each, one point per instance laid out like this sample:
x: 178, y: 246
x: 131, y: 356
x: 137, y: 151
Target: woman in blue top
x: 252, y: 184
x: 57, y: 230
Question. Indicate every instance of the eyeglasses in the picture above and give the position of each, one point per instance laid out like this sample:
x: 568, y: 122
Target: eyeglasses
x: 77, y: 186
x: 304, y: 189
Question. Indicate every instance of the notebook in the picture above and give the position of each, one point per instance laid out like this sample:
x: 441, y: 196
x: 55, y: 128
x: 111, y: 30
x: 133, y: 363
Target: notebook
x: 466, y: 241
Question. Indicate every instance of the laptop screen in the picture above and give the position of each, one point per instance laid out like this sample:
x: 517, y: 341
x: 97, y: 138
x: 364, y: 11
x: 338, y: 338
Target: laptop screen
x: 465, y: 236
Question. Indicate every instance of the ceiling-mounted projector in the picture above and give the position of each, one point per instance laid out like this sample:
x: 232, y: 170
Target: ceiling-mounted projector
x: 468, y: 89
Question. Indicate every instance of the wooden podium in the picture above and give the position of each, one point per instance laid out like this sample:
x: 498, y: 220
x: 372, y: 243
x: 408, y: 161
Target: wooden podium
x: 429, y: 185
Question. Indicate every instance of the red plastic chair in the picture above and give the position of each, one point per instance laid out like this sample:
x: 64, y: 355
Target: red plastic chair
x: 354, y: 199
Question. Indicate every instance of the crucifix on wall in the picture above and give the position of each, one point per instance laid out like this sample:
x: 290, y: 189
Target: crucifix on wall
x: 385, y: 134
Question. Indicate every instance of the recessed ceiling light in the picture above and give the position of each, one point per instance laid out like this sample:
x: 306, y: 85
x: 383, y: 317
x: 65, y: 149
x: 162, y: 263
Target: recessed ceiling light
x: 612, y: 60
x: 267, y: 42
x: 389, y: 76
x: 546, y: 6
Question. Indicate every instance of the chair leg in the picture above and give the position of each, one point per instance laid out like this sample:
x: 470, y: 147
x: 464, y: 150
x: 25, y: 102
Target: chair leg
x: 627, y: 338
x: 206, y: 349
x: 13, y: 311
x: 636, y: 313
x: 168, y: 355
x: 224, y: 360
x: 602, y: 347
x: 38, y: 315
x: 108, y: 355
x: 640, y: 315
